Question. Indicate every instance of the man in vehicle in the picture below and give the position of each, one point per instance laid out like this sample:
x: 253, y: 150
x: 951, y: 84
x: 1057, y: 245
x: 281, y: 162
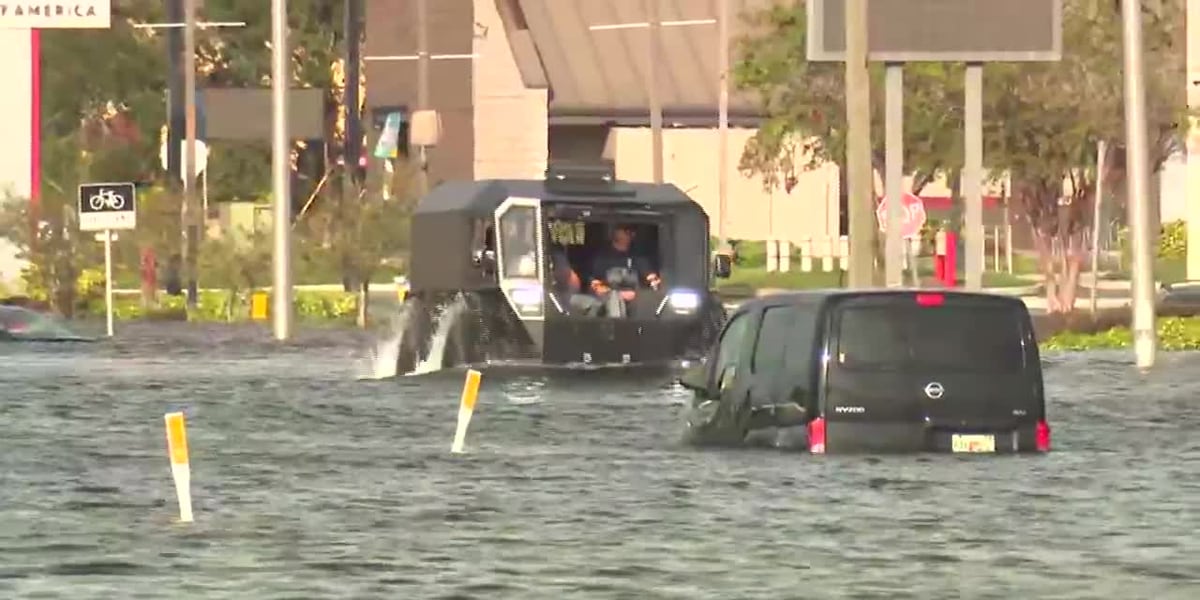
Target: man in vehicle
x: 567, y: 284
x: 617, y: 273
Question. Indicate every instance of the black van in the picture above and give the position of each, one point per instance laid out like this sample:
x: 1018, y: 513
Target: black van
x: 876, y: 371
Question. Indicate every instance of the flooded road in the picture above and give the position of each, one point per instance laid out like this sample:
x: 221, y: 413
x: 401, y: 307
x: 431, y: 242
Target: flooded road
x: 311, y: 483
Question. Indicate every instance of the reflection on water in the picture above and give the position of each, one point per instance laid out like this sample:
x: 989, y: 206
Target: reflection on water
x: 309, y: 482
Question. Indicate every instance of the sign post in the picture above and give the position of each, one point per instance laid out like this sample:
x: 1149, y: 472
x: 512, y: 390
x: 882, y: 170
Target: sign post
x: 911, y: 218
x: 107, y: 207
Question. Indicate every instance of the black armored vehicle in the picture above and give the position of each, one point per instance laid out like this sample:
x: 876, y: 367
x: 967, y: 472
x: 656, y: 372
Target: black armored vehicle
x: 578, y: 269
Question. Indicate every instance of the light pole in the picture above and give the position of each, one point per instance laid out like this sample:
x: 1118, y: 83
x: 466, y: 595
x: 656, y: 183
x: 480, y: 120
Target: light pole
x: 280, y: 171
x: 1137, y: 185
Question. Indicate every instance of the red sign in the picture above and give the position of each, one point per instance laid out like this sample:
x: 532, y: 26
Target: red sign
x: 912, y: 215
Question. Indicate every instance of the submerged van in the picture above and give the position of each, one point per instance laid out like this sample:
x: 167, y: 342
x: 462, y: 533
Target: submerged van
x: 875, y: 371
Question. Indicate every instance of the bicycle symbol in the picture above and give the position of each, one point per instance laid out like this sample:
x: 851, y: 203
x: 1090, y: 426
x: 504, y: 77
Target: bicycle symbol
x: 106, y: 198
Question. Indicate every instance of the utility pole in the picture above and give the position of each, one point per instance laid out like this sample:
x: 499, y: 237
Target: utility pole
x: 656, y: 140
x: 188, y: 216
x: 858, y: 148
x: 423, y: 83
x: 353, y: 144
x: 723, y: 122
x: 176, y: 119
x: 281, y: 287
x: 1137, y: 186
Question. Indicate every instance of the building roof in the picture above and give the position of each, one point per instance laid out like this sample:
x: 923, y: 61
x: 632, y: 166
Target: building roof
x: 598, y: 76
x: 482, y: 197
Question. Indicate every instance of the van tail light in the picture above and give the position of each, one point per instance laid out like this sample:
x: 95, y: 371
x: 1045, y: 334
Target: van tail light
x: 816, y: 436
x: 930, y: 299
x: 1041, y: 436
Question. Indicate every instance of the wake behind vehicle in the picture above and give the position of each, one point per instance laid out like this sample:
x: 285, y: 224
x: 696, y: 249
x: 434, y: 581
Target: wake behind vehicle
x: 503, y: 270
x: 876, y: 371
x: 19, y: 324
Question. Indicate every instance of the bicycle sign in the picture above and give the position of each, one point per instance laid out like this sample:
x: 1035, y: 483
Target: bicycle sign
x: 106, y: 198
x: 106, y: 206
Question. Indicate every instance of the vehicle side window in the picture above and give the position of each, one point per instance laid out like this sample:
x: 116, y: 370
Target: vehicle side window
x: 518, y: 244
x: 733, y: 343
x: 773, y: 334
x: 799, y: 358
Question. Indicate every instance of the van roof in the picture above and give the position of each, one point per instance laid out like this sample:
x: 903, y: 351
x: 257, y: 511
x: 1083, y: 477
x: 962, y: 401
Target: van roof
x: 822, y: 296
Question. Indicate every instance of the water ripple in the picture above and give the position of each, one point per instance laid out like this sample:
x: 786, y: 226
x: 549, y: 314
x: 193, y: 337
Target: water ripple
x: 309, y: 482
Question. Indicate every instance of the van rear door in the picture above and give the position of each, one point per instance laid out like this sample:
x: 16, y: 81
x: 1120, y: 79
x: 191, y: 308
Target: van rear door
x: 931, y: 371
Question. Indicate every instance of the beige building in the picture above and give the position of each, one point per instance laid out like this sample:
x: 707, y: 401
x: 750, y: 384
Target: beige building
x: 521, y: 82
x: 16, y: 123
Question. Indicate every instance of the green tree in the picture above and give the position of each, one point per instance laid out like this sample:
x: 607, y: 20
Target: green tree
x: 367, y: 231
x: 806, y: 112
x: 103, y: 121
x: 237, y: 262
x: 95, y: 116
x: 1041, y: 120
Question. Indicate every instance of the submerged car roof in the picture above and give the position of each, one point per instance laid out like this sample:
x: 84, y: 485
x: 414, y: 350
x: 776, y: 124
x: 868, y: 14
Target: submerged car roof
x: 825, y: 295
x: 480, y: 198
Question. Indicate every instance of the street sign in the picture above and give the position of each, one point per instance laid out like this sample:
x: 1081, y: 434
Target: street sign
x: 245, y: 113
x: 77, y: 14
x: 104, y: 206
x: 912, y: 218
x: 200, y: 161
x: 942, y: 30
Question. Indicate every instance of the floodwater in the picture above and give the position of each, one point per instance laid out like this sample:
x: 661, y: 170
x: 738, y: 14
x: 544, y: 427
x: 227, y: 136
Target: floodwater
x: 311, y: 483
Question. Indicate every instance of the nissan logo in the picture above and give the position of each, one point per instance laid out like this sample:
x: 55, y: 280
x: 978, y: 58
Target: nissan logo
x: 934, y: 390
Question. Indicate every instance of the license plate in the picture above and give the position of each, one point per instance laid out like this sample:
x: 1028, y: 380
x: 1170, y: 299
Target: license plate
x: 973, y: 443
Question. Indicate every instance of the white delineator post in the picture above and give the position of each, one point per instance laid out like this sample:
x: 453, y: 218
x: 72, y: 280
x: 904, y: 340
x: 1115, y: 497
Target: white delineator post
x: 466, y: 408
x: 181, y: 472
x: 108, y: 275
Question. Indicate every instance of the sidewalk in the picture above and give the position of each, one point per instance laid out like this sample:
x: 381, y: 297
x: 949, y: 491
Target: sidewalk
x: 1110, y: 293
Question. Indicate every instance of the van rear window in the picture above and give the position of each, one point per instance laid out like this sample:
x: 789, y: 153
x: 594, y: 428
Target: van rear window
x: 969, y: 338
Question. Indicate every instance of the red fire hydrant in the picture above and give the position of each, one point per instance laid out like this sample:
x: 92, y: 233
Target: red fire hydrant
x: 149, y: 273
x: 945, y: 258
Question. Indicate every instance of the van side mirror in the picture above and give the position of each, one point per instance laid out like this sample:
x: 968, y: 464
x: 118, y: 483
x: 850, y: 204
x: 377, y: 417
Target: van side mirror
x: 695, y: 379
x: 484, y: 260
x: 722, y: 266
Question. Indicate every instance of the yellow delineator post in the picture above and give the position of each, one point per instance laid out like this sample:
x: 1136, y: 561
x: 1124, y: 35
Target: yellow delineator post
x: 466, y: 408
x: 401, y: 283
x: 259, y: 301
x: 177, y: 451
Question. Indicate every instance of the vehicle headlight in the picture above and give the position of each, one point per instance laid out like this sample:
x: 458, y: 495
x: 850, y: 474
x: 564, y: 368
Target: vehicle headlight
x: 684, y: 301
x: 527, y: 297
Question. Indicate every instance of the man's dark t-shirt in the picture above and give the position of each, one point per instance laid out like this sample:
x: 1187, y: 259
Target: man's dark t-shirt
x: 628, y: 266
